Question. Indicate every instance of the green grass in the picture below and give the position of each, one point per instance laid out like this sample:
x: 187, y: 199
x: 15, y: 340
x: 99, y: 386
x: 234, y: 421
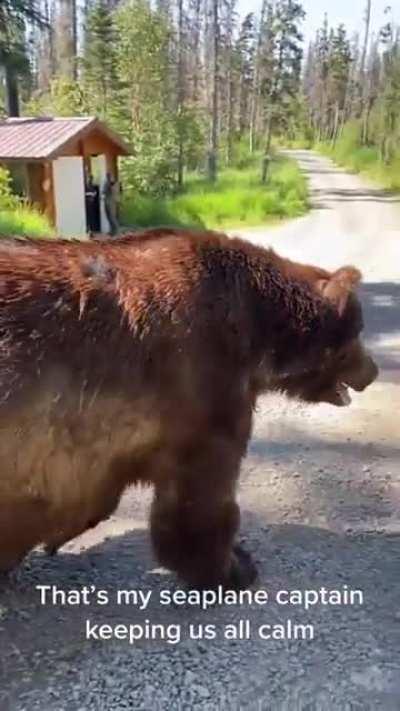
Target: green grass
x: 25, y: 222
x: 363, y: 159
x: 237, y: 199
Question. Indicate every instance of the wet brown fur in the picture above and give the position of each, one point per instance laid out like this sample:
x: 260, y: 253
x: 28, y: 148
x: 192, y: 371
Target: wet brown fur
x: 140, y: 360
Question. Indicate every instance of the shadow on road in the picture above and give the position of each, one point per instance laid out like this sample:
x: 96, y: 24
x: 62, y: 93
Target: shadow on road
x: 381, y: 305
x: 295, y: 441
x: 311, y: 165
x: 41, y: 644
x: 355, y: 195
x: 323, y: 171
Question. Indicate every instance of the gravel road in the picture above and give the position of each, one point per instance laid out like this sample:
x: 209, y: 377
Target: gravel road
x: 320, y: 495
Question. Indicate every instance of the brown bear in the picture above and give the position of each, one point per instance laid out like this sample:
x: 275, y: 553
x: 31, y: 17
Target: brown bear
x: 140, y: 360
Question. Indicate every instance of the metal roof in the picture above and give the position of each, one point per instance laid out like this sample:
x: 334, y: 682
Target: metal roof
x: 45, y: 138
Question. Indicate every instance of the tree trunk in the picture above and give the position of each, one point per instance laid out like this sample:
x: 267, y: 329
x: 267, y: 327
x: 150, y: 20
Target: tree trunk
x: 229, y: 98
x: 181, y: 96
x: 255, y: 94
x: 66, y: 38
x: 12, y: 91
x: 242, y: 101
x: 365, y: 89
x: 213, y: 152
x: 229, y: 129
x: 366, y: 38
x: 268, y: 139
x: 45, y: 59
x: 365, y: 123
x: 74, y: 38
x: 196, y: 51
x: 335, y: 130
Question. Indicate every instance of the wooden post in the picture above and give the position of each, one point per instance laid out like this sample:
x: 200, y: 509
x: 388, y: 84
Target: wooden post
x: 48, y: 191
x: 112, y: 165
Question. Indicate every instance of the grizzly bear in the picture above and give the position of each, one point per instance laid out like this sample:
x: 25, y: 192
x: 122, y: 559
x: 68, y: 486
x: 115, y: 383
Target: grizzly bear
x: 140, y: 360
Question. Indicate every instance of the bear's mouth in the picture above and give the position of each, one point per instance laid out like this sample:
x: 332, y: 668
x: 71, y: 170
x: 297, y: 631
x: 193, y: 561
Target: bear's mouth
x: 343, y: 395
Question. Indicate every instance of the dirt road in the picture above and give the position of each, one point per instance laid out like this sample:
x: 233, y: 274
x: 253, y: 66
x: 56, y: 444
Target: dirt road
x: 320, y: 494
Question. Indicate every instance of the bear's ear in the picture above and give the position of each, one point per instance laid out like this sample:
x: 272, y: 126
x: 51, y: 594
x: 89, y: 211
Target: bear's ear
x: 338, y: 288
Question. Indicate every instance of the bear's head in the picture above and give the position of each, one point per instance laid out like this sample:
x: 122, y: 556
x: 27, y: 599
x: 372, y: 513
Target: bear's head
x: 327, y: 374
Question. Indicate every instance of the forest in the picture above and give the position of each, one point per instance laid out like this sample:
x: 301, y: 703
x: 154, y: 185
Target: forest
x: 207, y: 96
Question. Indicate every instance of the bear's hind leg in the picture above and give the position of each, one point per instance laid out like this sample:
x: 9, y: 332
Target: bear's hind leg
x: 103, y: 505
x: 21, y: 526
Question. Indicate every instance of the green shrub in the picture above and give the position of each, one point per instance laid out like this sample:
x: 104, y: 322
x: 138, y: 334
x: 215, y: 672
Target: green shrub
x: 349, y: 153
x: 24, y: 222
x: 238, y: 198
x: 17, y: 218
x: 8, y: 201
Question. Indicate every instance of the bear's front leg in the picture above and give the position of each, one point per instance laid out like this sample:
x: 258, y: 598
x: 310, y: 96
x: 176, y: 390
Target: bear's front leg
x: 194, y: 521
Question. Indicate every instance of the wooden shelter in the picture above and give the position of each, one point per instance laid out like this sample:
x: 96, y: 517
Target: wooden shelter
x: 50, y: 160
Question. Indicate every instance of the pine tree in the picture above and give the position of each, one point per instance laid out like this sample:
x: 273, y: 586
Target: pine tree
x: 282, y: 69
x: 373, y: 88
x: 44, y: 49
x: 363, y: 83
x: 266, y: 14
x: 214, y: 122
x: 100, y: 76
x: 245, y: 52
x: 319, y: 92
x: 339, y: 68
x: 228, y: 87
x: 181, y: 93
x: 145, y: 104
x: 195, y: 67
x: 390, y: 93
x: 14, y: 16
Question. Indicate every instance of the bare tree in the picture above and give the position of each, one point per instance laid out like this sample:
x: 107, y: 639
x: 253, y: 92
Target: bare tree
x: 230, y: 80
x: 245, y: 51
x: 45, y: 48
x: 180, y: 94
x: 255, y: 94
x: 197, y: 7
x: 213, y: 149
x: 363, y: 79
x: 66, y: 38
x: 366, y: 38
